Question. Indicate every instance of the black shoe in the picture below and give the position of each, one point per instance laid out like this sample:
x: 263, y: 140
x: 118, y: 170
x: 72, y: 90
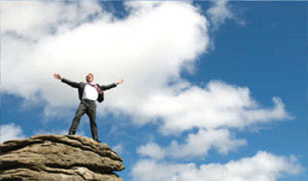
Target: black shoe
x: 97, y: 141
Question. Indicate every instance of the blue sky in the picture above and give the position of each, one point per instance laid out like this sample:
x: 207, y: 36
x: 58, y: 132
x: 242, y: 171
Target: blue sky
x: 209, y: 87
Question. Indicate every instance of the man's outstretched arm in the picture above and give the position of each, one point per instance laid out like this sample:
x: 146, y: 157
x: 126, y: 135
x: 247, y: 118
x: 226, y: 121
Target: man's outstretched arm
x: 59, y: 77
x: 106, y: 87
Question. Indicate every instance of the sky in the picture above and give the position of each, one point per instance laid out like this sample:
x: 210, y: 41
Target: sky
x: 213, y: 90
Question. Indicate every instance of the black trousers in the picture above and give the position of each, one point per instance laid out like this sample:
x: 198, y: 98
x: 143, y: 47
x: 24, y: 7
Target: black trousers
x: 88, y: 107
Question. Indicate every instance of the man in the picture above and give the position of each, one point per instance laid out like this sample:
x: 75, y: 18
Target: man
x: 88, y: 94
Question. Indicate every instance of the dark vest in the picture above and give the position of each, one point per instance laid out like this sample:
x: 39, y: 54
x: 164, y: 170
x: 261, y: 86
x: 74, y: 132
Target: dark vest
x: 80, y: 86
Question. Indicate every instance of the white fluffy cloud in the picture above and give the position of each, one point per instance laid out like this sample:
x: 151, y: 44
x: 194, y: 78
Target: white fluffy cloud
x: 219, y: 13
x: 262, y: 166
x: 217, y: 105
x: 10, y: 132
x: 195, y: 145
x: 35, y: 20
x: 152, y: 150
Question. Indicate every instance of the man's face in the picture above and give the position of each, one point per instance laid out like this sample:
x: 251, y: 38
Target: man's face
x: 90, y: 78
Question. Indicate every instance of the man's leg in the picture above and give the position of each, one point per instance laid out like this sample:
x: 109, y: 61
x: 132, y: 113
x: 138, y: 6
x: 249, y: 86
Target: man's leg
x: 91, y: 112
x: 79, y: 113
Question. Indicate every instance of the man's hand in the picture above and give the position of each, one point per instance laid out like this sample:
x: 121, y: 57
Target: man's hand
x: 57, y: 76
x: 119, y: 81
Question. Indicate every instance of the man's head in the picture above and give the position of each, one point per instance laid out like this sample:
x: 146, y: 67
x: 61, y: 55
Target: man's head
x: 90, y: 77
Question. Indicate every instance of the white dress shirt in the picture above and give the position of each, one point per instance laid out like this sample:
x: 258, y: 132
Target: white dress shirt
x: 90, y: 93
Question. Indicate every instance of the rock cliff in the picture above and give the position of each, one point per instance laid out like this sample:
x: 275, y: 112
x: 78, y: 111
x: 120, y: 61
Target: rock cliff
x: 58, y: 158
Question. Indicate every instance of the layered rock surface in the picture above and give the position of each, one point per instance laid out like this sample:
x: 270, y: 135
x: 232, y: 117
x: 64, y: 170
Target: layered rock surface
x: 58, y: 158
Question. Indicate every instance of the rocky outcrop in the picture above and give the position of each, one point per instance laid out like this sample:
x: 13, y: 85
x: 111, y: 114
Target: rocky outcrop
x: 58, y: 158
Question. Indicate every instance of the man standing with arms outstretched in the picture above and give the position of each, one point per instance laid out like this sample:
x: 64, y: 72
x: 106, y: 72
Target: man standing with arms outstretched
x: 88, y: 93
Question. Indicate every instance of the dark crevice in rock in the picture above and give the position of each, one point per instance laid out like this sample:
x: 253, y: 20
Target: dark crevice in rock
x: 4, y: 149
x: 16, y: 178
x: 104, y: 170
x: 9, y: 165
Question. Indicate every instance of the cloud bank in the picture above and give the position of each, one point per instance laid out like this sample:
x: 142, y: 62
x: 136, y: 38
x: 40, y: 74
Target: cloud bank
x: 262, y: 166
